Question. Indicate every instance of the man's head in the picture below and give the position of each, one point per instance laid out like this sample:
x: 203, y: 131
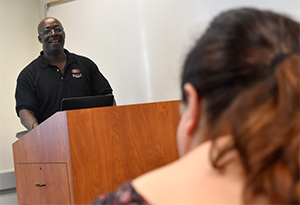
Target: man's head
x: 51, y: 35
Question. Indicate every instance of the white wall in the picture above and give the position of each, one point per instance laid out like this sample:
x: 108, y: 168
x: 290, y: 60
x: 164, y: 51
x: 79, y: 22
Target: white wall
x: 18, y: 46
x: 139, y: 45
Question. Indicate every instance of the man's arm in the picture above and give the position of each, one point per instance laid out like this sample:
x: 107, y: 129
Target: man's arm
x: 28, y: 119
x: 99, y: 84
x: 114, y: 102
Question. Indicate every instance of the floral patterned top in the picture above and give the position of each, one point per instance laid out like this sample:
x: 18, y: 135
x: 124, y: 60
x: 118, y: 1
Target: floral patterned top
x: 125, y: 195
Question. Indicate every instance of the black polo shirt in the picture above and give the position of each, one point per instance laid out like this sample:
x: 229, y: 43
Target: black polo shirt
x: 41, y: 86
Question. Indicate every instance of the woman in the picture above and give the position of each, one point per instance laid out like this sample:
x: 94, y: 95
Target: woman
x: 238, y: 136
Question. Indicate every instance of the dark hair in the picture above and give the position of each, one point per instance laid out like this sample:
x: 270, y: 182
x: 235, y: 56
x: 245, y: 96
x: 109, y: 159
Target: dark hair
x: 246, y: 66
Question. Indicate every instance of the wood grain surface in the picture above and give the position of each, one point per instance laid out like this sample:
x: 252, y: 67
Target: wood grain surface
x: 43, y: 184
x: 92, y: 151
x: 47, y: 143
x: 115, y: 144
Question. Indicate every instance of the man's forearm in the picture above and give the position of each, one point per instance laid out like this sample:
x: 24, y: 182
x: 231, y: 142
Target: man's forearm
x: 28, y: 119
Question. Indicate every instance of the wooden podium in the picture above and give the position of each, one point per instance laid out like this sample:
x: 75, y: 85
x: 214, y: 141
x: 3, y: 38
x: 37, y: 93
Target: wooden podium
x: 76, y: 155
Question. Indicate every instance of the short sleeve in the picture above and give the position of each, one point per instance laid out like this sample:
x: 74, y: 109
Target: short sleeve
x: 25, y: 94
x: 99, y: 84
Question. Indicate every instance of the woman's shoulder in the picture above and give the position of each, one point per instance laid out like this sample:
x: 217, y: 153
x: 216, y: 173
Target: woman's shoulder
x: 125, y: 194
x: 192, y: 180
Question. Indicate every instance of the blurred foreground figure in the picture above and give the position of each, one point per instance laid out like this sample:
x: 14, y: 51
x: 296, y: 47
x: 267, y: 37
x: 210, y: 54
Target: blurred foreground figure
x: 238, y: 136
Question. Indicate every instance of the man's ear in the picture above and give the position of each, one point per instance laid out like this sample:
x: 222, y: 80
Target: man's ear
x: 192, y: 108
x: 40, y: 40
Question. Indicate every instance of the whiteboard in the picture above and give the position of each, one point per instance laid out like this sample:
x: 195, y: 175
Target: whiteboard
x: 140, y: 45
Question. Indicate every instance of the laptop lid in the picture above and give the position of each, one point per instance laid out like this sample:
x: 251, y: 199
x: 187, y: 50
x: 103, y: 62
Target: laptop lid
x: 86, y: 102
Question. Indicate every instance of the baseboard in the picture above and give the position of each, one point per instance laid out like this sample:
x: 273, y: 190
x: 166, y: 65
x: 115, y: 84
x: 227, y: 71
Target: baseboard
x: 8, y: 191
x: 7, y: 180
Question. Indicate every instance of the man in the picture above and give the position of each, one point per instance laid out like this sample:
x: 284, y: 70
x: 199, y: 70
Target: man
x: 54, y: 75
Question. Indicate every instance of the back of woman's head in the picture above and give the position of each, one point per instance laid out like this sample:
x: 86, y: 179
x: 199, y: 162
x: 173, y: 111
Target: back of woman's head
x: 246, y: 66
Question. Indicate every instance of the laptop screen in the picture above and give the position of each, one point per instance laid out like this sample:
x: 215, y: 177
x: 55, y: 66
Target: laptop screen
x: 86, y: 102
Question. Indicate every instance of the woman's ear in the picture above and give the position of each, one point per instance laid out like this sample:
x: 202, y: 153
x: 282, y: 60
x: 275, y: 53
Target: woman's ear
x: 189, y: 121
x: 192, y: 108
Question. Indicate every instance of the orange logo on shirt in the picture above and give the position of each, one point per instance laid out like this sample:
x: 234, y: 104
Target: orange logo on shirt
x: 76, y: 71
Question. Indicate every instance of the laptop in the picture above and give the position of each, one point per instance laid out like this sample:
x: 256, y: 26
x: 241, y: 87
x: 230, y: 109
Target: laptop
x: 86, y: 102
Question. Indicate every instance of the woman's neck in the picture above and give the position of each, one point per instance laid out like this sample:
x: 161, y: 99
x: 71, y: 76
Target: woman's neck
x: 193, y: 180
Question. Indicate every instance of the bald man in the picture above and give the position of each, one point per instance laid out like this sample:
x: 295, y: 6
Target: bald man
x: 54, y: 75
